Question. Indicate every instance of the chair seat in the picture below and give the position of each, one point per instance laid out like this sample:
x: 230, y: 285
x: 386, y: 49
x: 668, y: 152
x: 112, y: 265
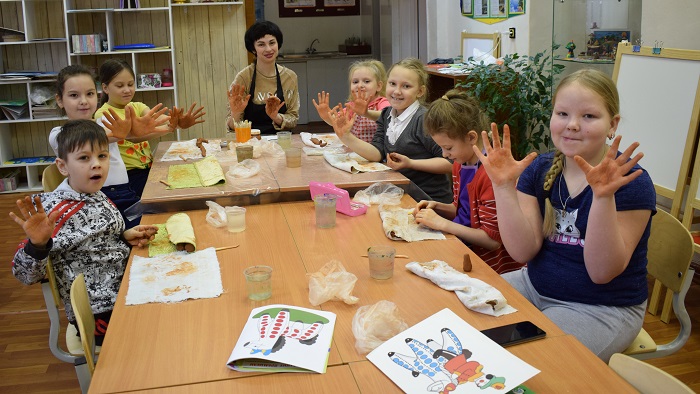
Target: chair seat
x: 642, y: 344
x: 75, y: 347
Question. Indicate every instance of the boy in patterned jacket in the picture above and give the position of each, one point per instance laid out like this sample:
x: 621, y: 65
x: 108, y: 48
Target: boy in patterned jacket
x: 77, y: 226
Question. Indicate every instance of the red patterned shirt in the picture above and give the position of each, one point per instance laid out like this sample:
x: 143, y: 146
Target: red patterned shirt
x: 364, y: 128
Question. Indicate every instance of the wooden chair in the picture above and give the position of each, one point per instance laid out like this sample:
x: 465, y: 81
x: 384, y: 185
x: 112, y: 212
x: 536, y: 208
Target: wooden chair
x: 51, y: 178
x: 646, y: 378
x: 670, y: 252
x: 74, y: 353
x: 80, y: 301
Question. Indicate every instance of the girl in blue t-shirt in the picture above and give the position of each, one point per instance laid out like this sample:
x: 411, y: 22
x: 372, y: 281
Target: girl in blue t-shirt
x: 580, y: 217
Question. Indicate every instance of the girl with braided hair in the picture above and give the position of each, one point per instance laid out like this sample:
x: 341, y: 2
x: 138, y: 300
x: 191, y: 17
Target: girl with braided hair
x: 580, y: 217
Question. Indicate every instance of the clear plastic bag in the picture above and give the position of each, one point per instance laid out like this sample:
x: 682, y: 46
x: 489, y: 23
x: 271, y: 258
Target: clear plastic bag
x: 380, y: 193
x: 216, y: 215
x: 375, y: 324
x: 245, y: 169
x: 332, y: 282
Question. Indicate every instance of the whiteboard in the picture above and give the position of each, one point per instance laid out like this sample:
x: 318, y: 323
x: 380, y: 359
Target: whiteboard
x: 658, y: 102
x: 488, y: 43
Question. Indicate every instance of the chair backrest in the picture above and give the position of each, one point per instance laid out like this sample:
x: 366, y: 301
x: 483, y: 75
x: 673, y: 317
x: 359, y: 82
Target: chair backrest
x: 51, y: 178
x: 646, y: 378
x: 86, y: 320
x: 670, y: 250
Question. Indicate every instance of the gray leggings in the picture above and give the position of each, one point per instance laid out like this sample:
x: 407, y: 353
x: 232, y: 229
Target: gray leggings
x: 603, y: 329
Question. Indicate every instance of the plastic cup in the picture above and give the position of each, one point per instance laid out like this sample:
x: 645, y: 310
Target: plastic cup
x: 325, y: 210
x: 284, y: 139
x: 293, y: 156
x: 235, y: 218
x: 381, y: 261
x: 258, y: 280
x: 255, y: 133
x: 244, y: 152
x: 242, y: 134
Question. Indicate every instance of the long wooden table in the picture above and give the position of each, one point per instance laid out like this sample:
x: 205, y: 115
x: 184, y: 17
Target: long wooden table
x: 276, y: 182
x: 184, y: 347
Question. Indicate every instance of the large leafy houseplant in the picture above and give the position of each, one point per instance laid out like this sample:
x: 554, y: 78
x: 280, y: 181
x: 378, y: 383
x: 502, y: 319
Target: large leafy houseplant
x: 518, y: 93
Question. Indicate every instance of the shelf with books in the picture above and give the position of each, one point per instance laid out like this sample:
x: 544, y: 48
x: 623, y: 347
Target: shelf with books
x: 33, y: 50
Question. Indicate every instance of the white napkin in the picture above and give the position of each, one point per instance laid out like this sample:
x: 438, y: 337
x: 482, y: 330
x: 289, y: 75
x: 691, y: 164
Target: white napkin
x: 331, y: 140
x: 174, y: 277
x: 353, y: 163
x: 399, y: 224
x: 475, y: 294
x: 189, y: 150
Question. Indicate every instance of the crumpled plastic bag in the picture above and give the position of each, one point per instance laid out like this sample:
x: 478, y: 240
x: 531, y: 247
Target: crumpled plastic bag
x: 380, y: 193
x: 216, y: 215
x: 332, y: 282
x: 245, y: 169
x: 375, y: 324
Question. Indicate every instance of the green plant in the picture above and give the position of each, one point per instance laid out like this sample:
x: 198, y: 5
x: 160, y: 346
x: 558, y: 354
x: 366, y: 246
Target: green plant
x: 518, y: 93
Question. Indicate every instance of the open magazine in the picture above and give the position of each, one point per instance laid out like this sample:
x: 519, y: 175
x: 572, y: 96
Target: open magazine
x: 444, y: 354
x: 284, y: 338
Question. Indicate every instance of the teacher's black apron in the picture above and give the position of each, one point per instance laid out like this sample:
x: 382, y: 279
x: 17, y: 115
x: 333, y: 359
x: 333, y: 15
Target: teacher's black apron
x: 256, y: 114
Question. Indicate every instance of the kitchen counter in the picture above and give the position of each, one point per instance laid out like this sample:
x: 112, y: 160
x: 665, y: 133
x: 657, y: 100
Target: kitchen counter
x: 303, y: 57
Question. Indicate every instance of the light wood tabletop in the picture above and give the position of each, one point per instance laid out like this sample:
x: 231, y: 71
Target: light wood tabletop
x: 275, y: 182
x: 159, y: 346
x: 241, y: 192
x: 315, y: 168
x: 416, y: 298
x: 337, y: 379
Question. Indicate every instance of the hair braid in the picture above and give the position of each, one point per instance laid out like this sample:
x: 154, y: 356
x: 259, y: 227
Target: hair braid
x: 554, y: 170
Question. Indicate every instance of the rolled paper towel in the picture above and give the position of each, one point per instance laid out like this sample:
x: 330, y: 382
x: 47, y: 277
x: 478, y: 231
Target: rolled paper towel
x: 181, y: 232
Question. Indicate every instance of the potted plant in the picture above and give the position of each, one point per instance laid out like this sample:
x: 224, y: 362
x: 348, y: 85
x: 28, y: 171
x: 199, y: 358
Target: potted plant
x: 518, y: 92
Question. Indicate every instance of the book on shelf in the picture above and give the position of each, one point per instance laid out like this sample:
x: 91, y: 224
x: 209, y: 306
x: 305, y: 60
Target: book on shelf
x: 14, y: 109
x: 284, y: 338
x: 27, y: 75
x: 11, y: 35
x: 443, y: 353
x: 87, y: 43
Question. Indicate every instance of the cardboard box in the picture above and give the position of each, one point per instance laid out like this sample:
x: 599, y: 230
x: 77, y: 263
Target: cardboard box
x: 149, y: 81
x: 8, y: 180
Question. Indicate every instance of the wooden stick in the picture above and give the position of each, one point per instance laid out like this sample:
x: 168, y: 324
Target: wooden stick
x: 227, y: 247
x: 398, y: 256
x: 183, y: 157
x: 165, y: 183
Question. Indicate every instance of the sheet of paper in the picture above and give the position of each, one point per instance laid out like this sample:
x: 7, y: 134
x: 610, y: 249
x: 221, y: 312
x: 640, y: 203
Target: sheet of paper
x: 353, y: 163
x: 399, y: 224
x: 443, y: 353
x: 188, y: 150
x: 174, y: 277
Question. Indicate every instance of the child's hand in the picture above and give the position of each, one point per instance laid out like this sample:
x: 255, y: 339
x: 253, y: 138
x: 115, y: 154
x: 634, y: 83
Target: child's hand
x: 499, y: 163
x: 342, y: 120
x: 273, y: 104
x: 117, y: 127
x: 154, y: 120
x: 174, y: 114
x: 191, y: 118
x: 424, y: 204
x: 323, y: 106
x: 140, y: 235
x: 397, y: 161
x: 237, y: 99
x: 429, y: 218
x: 36, y: 224
x: 360, y: 101
x: 611, y: 173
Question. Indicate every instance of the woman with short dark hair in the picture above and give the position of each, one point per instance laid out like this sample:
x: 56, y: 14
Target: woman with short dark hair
x: 264, y: 93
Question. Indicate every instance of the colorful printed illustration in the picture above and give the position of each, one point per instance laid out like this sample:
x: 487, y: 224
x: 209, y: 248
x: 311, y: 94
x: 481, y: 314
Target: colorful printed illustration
x: 273, y: 332
x: 444, y: 354
x: 447, y: 364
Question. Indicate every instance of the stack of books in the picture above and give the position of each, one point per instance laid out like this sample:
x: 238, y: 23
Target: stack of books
x: 14, y: 109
